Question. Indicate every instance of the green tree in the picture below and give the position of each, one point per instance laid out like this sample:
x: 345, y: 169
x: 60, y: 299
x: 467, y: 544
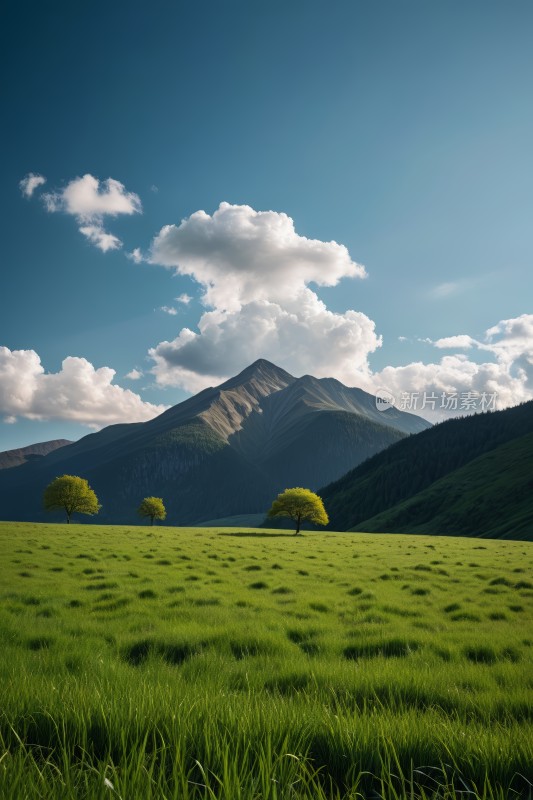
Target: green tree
x: 152, y: 507
x: 299, y: 504
x: 71, y: 493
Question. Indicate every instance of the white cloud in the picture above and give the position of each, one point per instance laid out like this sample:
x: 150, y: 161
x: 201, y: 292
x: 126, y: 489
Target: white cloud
x: 10, y: 420
x: 78, y: 392
x: 322, y: 343
x: 509, y: 375
x: 89, y: 201
x: 30, y: 183
x: 240, y: 255
x: 455, y: 341
x: 304, y: 336
x: 134, y: 375
x: 184, y: 298
x: 135, y: 255
x: 102, y: 240
x: 511, y: 338
x: 169, y: 310
x: 255, y: 271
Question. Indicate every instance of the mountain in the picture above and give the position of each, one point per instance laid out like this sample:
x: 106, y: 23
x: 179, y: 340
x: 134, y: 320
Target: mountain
x: 468, y: 476
x: 14, y: 458
x: 226, y: 451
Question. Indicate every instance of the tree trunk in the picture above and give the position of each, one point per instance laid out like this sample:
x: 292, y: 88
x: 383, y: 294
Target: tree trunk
x: 298, y: 518
x: 152, y: 520
x: 68, y: 518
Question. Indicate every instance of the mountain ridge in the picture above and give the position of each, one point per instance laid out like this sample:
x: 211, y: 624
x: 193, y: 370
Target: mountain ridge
x: 227, y: 450
x: 19, y: 455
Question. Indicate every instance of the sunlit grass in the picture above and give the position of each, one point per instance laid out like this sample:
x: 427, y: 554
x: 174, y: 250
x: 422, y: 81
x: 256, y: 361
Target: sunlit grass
x: 192, y: 663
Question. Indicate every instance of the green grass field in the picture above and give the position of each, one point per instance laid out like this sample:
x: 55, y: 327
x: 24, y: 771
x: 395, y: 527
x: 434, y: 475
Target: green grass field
x: 199, y: 663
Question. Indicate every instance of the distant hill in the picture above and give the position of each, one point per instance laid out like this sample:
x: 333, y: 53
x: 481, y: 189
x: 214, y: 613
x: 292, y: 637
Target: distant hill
x: 467, y: 476
x: 491, y: 496
x: 14, y: 458
x: 226, y: 451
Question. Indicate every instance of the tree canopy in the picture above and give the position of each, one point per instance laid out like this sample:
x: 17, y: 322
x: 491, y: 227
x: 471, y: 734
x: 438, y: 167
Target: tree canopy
x: 72, y: 494
x: 152, y: 507
x: 299, y: 504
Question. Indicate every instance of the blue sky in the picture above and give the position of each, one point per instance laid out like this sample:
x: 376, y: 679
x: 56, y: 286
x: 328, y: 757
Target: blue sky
x: 400, y: 130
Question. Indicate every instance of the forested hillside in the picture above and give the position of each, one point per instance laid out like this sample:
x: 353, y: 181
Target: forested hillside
x: 408, y: 467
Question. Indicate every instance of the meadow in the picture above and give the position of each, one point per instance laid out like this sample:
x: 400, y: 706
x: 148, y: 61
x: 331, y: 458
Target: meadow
x: 140, y: 662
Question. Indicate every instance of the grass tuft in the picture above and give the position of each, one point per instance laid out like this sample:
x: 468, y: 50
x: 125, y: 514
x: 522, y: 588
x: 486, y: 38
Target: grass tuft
x: 390, y: 648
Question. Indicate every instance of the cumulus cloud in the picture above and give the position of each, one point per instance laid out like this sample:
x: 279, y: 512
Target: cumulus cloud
x: 304, y: 336
x: 255, y: 272
x: 30, y: 183
x: 90, y: 201
x: 87, y: 199
x: 97, y: 236
x: 134, y: 375
x: 169, y: 310
x: 184, y: 298
x: 511, y: 339
x: 77, y: 393
x: 461, y: 341
x: 507, y: 378
x: 240, y: 255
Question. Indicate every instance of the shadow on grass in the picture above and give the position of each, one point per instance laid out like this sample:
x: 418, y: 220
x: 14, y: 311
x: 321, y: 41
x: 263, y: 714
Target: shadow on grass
x: 255, y: 535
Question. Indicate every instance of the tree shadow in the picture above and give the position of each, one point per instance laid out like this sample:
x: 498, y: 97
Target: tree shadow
x: 253, y: 534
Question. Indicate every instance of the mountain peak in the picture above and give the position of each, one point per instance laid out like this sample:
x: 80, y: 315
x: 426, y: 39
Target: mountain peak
x: 261, y: 370
x: 237, y: 398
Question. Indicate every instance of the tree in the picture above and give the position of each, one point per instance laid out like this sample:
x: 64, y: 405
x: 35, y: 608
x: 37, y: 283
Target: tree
x: 299, y: 504
x: 71, y: 493
x: 152, y: 507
